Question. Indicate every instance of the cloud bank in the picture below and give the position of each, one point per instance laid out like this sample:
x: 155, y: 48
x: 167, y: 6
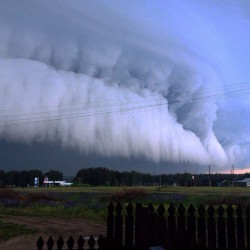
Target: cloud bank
x: 91, y: 78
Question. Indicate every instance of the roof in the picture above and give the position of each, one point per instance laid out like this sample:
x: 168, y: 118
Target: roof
x: 244, y: 180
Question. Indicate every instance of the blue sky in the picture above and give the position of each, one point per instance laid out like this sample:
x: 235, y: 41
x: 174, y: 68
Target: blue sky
x: 161, y: 84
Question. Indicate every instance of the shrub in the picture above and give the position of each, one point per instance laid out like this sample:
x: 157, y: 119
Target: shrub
x: 34, y: 197
x: 126, y: 195
x: 8, y: 193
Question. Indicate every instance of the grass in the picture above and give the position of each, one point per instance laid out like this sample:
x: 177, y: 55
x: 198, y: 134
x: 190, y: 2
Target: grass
x: 53, y: 202
x: 91, y: 202
x: 10, y: 230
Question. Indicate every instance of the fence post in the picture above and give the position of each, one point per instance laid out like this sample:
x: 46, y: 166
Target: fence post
x: 221, y: 226
x: 201, y: 227
x: 50, y: 243
x: 149, y: 224
x: 118, y: 226
x: 247, y: 211
x: 231, y: 227
x: 102, y: 243
x: 211, y: 228
x: 138, y: 225
x: 129, y: 227
x: 80, y: 243
x: 240, y: 227
x: 110, y: 224
x: 181, y: 228
x: 70, y: 243
x: 40, y: 243
x: 91, y: 243
x: 162, y: 231
x: 143, y: 227
x: 171, y: 240
x: 60, y: 243
x: 191, y: 228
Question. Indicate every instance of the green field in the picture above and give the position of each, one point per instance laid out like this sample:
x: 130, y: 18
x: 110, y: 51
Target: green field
x: 91, y: 202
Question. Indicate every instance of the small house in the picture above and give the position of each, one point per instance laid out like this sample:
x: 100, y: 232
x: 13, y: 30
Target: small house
x: 242, y: 183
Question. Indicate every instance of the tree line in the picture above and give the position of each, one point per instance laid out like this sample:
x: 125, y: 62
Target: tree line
x: 26, y: 178
x: 101, y: 176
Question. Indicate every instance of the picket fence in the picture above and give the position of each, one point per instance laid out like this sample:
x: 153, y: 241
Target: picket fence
x: 175, y: 228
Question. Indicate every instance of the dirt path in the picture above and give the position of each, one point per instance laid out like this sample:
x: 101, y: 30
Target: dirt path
x: 50, y: 226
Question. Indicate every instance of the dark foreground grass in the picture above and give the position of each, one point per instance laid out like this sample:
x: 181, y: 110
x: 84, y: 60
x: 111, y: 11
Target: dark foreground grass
x: 10, y: 230
x: 205, y: 195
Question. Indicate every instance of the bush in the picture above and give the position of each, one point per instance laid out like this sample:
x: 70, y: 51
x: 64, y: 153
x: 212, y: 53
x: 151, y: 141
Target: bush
x: 34, y: 197
x: 126, y: 195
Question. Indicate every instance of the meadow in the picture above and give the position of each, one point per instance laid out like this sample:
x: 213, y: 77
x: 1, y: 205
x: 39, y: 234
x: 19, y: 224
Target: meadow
x: 90, y: 203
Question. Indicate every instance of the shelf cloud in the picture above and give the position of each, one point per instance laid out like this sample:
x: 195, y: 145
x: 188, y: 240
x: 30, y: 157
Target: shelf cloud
x: 97, y: 79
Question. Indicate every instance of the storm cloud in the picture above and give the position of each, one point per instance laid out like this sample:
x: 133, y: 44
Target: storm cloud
x: 93, y: 78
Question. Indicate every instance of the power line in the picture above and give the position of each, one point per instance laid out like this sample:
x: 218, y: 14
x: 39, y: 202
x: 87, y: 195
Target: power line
x: 125, y: 110
x: 35, y: 117
x: 88, y: 114
x: 213, y: 90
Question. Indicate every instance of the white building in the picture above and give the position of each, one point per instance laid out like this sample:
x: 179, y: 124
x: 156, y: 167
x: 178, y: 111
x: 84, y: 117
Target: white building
x: 244, y: 183
x: 47, y: 183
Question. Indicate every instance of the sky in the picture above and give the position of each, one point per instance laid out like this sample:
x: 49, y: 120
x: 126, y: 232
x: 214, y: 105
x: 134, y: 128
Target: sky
x: 153, y: 86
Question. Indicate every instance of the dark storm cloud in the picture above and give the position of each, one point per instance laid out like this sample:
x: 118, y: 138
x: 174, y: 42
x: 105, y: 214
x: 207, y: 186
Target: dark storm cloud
x: 93, y: 79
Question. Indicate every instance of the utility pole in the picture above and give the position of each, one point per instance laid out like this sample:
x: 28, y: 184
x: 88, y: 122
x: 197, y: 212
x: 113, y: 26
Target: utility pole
x: 185, y: 176
x: 232, y: 175
x: 209, y: 175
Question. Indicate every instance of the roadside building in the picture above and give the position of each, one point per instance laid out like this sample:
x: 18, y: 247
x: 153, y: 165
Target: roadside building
x: 242, y: 183
x: 48, y: 183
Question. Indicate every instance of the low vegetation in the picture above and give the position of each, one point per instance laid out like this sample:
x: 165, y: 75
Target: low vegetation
x: 126, y: 195
x: 91, y: 202
x: 10, y: 230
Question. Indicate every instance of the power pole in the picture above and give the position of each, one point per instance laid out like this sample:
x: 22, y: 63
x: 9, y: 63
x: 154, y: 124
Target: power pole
x: 209, y: 175
x: 185, y: 176
x: 232, y: 175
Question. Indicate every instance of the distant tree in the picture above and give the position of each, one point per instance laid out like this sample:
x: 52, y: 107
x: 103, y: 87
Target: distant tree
x: 97, y: 176
x: 20, y: 178
x: 54, y: 175
x: 2, y: 177
x: 104, y: 176
x: 13, y: 178
x: 24, y: 178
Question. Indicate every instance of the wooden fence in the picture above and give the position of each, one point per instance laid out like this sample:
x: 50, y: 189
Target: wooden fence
x: 174, y: 228
x: 70, y: 244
